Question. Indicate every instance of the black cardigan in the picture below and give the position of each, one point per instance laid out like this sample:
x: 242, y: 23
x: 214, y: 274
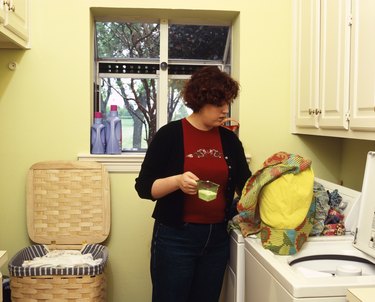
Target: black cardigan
x: 165, y: 157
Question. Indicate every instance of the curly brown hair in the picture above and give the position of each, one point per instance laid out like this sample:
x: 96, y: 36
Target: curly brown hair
x: 209, y: 85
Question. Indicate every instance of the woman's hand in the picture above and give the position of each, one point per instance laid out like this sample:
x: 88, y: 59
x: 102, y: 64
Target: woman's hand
x: 187, y: 182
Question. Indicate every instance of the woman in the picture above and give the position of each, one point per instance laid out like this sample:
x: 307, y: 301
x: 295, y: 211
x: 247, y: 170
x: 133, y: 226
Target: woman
x: 190, y: 243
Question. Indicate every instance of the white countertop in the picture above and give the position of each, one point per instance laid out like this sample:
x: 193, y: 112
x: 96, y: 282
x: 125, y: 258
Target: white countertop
x: 361, y: 294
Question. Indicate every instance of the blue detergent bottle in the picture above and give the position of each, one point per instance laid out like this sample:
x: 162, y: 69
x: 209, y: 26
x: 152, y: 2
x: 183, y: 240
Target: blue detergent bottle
x: 98, y: 135
x: 113, y: 132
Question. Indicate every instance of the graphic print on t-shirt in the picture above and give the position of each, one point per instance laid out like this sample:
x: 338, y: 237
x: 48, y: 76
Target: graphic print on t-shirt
x: 206, y: 153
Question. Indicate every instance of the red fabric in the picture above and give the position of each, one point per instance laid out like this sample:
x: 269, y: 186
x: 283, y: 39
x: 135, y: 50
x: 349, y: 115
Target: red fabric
x: 204, y: 157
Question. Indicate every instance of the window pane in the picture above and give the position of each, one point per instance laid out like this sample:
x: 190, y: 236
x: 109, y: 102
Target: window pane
x: 136, y: 101
x: 176, y: 107
x: 127, y: 40
x: 199, y: 42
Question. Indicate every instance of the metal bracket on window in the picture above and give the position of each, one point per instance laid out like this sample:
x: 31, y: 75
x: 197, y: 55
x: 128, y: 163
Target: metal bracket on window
x: 139, y: 68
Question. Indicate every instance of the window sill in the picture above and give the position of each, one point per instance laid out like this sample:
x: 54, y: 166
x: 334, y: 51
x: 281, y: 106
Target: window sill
x: 124, y: 163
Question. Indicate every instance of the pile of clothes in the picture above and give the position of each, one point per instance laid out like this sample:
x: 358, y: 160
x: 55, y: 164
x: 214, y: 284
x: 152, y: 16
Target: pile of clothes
x: 329, y: 217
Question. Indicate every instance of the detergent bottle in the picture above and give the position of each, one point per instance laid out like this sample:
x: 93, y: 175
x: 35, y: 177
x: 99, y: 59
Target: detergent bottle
x: 98, y: 135
x: 113, y: 132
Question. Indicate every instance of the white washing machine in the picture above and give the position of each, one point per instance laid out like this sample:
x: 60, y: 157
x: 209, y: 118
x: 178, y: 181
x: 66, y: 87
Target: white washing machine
x: 326, y: 266
x: 234, y: 282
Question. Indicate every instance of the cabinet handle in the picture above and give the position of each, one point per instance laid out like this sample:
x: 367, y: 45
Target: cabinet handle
x: 318, y: 111
x: 7, y: 3
x: 311, y: 111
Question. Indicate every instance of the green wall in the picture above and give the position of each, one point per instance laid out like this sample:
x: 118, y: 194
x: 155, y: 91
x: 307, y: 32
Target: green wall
x: 45, y: 109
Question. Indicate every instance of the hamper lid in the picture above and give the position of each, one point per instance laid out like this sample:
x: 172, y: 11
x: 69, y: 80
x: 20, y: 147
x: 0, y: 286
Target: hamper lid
x: 68, y: 202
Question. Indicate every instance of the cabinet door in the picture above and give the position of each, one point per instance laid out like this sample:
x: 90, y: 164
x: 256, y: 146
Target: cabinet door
x: 334, y: 64
x: 17, y: 19
x: 362, y: 95
x: 305, y: 70
x: 2, y: 14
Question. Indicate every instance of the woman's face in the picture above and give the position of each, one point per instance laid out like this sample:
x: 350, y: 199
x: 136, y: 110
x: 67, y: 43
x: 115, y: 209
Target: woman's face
x: 213, y: 116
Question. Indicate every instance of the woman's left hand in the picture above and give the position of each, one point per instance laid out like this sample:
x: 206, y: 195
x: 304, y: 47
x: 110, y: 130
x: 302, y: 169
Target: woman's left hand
x: 187, y: 182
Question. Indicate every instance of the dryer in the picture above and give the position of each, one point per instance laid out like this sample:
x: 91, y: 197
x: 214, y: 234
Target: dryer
x: 326, y: 266
x: 234, y: 282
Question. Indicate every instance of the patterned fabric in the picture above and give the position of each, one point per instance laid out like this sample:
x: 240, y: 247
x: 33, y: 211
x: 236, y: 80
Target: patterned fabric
x: 281, y: 241
x: 334, y: 229
x: 37, y: 250
x: 322, y: 208
x: 334, y: 221
x: 287, y: 241
x: 334, y: 198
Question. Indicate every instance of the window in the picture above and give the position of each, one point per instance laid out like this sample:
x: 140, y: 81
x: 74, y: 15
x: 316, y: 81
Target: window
x: 142, y: 66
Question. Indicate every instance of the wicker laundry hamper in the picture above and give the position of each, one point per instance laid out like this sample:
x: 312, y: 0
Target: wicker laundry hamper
x: 68, y: 207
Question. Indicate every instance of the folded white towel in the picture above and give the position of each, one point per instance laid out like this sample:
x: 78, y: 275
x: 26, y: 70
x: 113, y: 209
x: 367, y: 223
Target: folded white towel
x: 63, y: 259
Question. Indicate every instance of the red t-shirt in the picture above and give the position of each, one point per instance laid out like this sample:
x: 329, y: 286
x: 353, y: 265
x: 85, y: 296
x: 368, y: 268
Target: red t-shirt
x: 204, y: 157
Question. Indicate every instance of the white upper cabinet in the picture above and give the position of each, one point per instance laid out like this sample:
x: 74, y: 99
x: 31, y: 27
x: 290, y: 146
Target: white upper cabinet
x: 333, y: 71
x: 363, y: 66
x: 14, y: 24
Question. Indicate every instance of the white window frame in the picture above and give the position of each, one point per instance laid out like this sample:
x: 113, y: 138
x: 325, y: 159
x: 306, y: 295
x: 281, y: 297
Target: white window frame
x: 130, y: 162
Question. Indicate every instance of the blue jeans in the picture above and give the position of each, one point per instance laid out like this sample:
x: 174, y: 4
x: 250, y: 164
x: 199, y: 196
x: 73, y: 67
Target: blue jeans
x: 188, y: 262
